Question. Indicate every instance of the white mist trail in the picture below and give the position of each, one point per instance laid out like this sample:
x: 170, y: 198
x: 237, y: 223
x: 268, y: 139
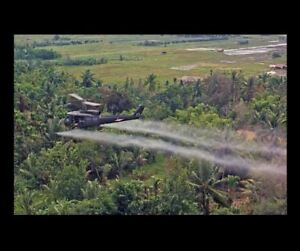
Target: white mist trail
x: 187, y: 152
x: 198, y: 137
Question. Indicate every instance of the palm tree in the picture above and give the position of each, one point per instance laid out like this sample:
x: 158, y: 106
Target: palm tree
x: 232, y: 183
x: 26, y: 201
x: 205, y: 183
x: 87, y: 78
x: 197, y: 89
x: 264, y: 77
x: 234, y: 79
x: 150, y: 81
x: 244, y: 187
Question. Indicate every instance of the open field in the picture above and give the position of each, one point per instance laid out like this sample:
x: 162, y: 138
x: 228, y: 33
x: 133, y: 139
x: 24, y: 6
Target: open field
x: 139, y: 61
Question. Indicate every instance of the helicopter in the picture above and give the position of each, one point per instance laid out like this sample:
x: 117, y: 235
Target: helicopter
x: 85, y: 114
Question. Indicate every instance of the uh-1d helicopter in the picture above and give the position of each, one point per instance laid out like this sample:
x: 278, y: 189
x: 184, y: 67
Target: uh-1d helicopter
x: 86, y: 114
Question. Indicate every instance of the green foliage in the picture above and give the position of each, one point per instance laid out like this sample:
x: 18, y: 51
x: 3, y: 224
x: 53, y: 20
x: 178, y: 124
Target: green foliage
x: 69, y: 182
x: 24, y: 203
x: 62, y: 41
x: 103, y: 205
x: 226, y: 211
x: 82, y: 61
x: 177, y: 197
x: 186, y: 40
x: 177, y: 96
x: 87, y: 79
x: 60, y: 207
x: 61, y: 177
x: 116, y: 102
x: 156, y: 111
x: 221, y: 90
x: 28, y: 53
x: 151, y: 82
x: 271, y: 207
x: 39, y: 107
x: 125, y: 194
x: 269, y: 110
x: 39, y: 170
x: 232, y: 181
x: 167, y: 197
x: 204, y: 180
x: 202, y: 116
x: 277, y: 85
x: 276, y: 55
x: 249, y: 92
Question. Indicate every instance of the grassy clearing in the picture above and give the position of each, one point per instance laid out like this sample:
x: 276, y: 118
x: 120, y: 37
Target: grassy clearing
x: 140, y: 61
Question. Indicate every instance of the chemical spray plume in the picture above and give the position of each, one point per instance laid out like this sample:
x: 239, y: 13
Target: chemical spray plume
x: 198, y: 137
x: 157, y: 144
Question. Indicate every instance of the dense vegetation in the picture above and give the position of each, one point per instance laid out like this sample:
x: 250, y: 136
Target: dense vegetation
x: 79, y: 61
x: 28, y: 53
x: 186, y: 39
x: 59, y: 176
x: 62, y: 41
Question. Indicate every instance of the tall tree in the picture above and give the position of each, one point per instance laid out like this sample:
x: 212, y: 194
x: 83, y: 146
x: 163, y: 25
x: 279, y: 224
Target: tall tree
x: 87, y: 79
x: 151, y: 82
x: 250, y: 89
x: 205, y: 183
x: 197, y: 89
x: 234, y: 85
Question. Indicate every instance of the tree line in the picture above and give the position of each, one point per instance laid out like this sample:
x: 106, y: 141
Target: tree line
x: 29, y: 53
